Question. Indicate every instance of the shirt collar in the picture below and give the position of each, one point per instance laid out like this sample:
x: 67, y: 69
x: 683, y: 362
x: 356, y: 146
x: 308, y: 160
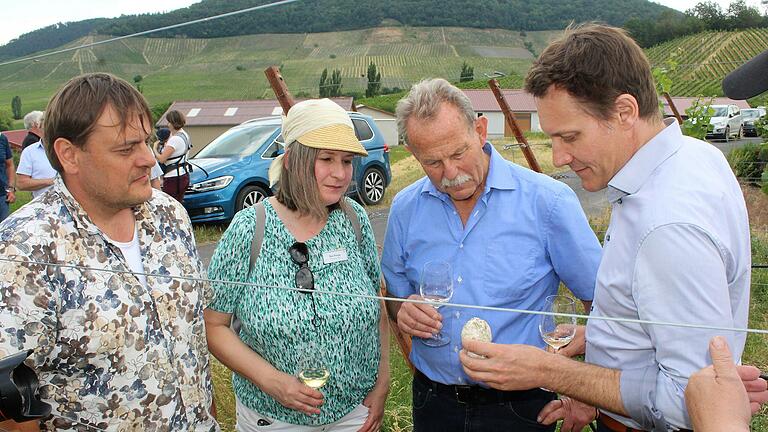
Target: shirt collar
x: 644, y: 162
x: 80, y: 218
x: 496, y: 178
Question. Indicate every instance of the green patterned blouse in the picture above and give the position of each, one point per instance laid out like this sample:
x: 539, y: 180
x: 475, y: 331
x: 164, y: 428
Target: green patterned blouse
x: 277, y: 323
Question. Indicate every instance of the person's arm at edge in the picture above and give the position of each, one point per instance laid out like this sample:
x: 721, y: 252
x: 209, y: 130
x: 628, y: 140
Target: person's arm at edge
x: 27, y: 183
x: 10, y: 170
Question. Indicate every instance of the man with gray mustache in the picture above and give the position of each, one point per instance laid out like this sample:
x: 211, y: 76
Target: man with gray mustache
x: 510, y: 236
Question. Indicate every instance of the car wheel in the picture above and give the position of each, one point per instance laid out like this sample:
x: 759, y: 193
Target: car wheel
x: 373, y: 186
x: 249, y: 196
x: 727, y: 133
x: 741, y: 133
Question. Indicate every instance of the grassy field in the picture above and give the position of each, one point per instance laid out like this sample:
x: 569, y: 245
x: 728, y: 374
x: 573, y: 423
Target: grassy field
x: 232, y: 68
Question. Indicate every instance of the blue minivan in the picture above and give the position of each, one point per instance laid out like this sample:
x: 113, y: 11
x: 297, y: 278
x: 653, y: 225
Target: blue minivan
x: 230, y: 173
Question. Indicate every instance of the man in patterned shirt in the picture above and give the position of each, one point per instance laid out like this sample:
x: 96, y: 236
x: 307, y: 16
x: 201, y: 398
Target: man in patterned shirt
x: 116, y: 347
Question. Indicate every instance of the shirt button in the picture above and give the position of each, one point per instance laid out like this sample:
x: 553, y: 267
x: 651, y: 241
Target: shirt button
x: 619, y: 201
x: 457, y: 314
x: 607, y: 237
x: 461, y: 246
x: 459, y: 279
x: 460, y: 379
x: 455, y: 348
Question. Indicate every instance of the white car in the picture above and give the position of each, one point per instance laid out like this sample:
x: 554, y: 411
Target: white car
x: 725, y: 122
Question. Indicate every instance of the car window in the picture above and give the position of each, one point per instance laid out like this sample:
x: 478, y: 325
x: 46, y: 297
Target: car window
x: 748, y: 114
x: 720, y: 111
x: 362, y: 129
x: 275, y: 149
x: 240, y: 141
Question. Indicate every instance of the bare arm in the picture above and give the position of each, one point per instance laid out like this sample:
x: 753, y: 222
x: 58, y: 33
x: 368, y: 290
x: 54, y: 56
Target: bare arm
x: 519, y: 367
x: 10, y: 171
x: 166, y: 153
x: 27, y: 183
x: 224, y: 344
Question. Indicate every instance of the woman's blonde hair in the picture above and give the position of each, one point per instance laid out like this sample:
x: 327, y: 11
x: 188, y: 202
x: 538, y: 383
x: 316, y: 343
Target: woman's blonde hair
x: 298, y: 189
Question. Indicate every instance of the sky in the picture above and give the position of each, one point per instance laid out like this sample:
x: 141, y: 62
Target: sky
x: 23, y: 16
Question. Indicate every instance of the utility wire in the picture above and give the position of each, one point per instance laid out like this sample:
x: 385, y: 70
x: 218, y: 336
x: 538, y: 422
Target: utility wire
x: 395, y: 299
x: 173, y: 26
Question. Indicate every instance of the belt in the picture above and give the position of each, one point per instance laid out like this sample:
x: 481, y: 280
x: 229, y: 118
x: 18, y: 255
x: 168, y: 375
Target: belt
x: 617, y: 426
x: 476, y: 395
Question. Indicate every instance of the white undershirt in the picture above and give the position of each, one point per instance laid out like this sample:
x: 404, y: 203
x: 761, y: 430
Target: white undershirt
x: 132, y: 253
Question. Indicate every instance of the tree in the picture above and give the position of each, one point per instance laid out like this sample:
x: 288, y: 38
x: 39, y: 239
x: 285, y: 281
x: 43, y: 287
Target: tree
x: 741, y: 16
x: 467, y: 72
x: 710, y: 13
x: 323, y: 85
x: 334, y: 88
x: 16, y: 107
x: 6, y: 121
x: 374, y: 81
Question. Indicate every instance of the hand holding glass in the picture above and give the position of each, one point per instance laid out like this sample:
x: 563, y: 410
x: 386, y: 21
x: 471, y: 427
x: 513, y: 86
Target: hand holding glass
x: 557, y: 330
x: 436, y: 288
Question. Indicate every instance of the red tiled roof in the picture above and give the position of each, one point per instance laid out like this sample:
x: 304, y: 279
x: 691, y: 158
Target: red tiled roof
x: 683, y: 103
x: 213, y: 113
x: 518, y: 100
x: 15, y: 137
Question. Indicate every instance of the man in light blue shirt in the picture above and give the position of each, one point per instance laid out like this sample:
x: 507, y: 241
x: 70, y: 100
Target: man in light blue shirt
x: 677, y: 248
x: 510, y: 235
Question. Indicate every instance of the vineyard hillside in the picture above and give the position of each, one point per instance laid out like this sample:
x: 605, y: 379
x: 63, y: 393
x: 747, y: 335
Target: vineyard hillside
x: 704, y: 59
x: 232, y: 67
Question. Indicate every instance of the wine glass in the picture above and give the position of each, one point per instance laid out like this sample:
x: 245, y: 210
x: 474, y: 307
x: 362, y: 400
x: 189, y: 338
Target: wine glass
x: 313, y: 368
x: 557, y: 330
x: 436, y: 288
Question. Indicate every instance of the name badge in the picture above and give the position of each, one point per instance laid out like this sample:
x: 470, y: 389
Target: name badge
x: 334, y: 256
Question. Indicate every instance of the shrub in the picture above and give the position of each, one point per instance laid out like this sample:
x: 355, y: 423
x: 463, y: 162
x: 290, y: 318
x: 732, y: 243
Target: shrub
x: 749, y: 162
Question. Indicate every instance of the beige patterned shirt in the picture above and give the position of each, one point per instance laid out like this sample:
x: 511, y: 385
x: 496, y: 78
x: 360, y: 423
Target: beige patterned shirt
x: 111, y: 354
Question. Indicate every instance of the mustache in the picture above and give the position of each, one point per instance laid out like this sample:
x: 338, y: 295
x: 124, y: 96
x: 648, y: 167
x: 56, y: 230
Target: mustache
x: 458, y: 181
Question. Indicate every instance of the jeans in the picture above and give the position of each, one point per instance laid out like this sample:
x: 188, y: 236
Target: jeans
x: 437, y: 410
x: 4, y: 209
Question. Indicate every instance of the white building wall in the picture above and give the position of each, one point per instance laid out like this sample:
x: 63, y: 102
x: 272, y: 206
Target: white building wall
x: 535, y: 125
x: 495, y: 124
x: 388, y: 128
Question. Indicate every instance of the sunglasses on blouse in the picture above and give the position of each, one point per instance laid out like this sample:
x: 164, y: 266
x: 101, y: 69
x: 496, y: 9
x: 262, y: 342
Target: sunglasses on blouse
x: 305, y: 281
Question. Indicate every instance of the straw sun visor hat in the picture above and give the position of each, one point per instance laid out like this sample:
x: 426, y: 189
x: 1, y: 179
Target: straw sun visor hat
x: 320, y: 124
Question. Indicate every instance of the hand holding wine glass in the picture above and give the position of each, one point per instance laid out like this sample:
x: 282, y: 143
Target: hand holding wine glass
x: 437, y: 288
x: 557, y: 330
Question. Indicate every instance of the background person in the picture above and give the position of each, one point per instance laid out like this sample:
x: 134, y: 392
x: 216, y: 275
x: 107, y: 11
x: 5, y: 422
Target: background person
x: 307, y: 216
x: 174, y: 157
x: 114, y: 350
x: 35, y: 173
x: 7, y: 177
x: 511, y: 236
x: 33, y: 123
x: 715, y: 396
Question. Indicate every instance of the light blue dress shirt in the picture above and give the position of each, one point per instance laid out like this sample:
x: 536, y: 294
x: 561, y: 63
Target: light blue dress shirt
x: 526, y: 233
x: 677, y: 250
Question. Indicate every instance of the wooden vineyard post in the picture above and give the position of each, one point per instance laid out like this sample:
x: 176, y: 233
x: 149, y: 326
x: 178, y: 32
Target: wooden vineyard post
x: 278, y: 85
x: 673, y: 108
x: 533, y: 164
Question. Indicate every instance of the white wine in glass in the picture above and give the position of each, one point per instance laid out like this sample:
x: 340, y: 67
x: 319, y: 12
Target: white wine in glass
x: 437, y: 288
x: 315, y: 378
x: 313, y: 370
x: 558, y: 331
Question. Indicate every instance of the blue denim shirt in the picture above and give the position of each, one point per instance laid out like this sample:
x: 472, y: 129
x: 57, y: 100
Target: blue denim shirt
x: 526, y: 234
x: 5, y: 154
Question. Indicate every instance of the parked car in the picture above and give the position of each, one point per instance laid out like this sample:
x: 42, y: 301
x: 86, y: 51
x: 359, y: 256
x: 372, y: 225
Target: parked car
x: 749, y: 117
x: 230, y: 173
x: 725, y: 122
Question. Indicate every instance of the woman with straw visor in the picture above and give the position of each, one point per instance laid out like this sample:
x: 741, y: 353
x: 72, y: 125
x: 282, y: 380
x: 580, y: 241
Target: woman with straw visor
x: 293, y: 306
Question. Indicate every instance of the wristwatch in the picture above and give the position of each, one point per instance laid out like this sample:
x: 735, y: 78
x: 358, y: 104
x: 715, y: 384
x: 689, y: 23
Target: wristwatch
x: 10, y: 189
